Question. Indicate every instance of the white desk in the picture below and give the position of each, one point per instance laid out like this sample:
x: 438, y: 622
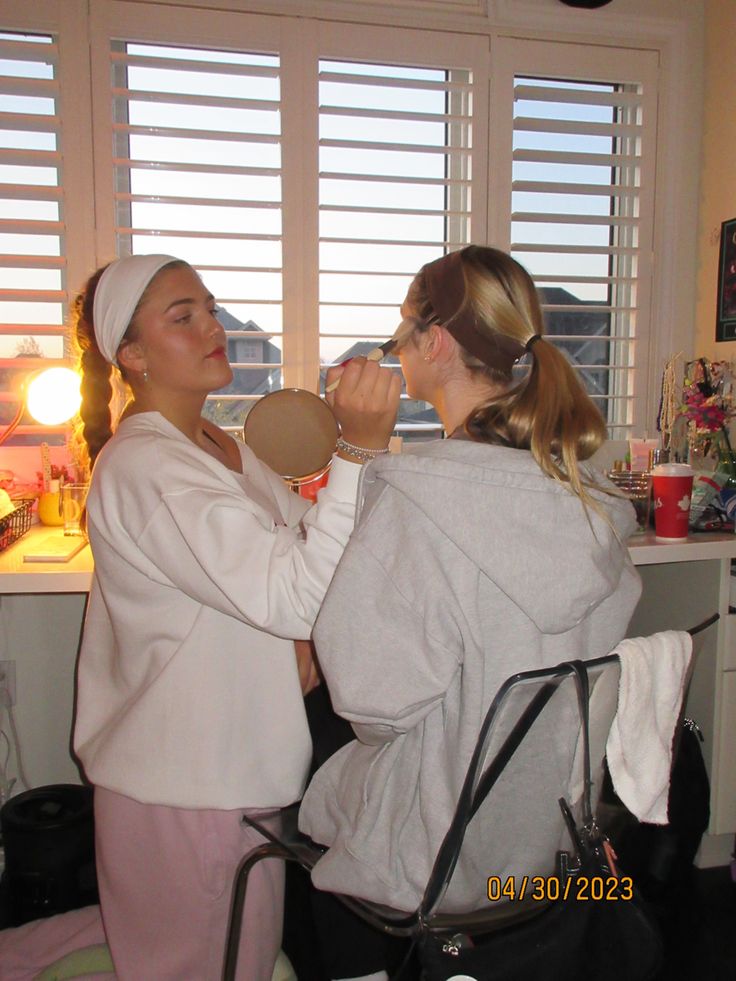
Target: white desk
x: 17, y: 576
x: 646, y: 550
x: 683, y: 584
x: 75, y: 576
x: 41, y: 634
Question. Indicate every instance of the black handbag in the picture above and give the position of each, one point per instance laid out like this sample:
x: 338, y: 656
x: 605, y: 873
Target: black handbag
x: 594, y: 940
x: 590, y: 924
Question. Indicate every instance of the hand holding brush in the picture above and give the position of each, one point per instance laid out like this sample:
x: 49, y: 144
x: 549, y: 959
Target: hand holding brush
x: 401, y: 335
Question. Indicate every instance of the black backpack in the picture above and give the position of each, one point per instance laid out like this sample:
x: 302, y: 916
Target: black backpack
x: 660, y: 858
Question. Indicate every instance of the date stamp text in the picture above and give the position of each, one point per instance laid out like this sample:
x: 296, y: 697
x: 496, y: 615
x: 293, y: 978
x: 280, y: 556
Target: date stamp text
x: 550, y: 888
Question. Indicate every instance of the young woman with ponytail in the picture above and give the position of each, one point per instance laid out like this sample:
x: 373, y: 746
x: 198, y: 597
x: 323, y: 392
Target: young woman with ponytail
x: 493, y: 551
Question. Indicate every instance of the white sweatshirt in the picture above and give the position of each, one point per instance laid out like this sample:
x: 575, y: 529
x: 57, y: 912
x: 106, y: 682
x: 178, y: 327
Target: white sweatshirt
x: 188, y: 692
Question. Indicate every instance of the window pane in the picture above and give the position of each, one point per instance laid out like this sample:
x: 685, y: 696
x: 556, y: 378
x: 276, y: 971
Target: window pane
x: 32, y: 240
x: 393, y: 192
x: 575, y: 211
x: 198, y: 157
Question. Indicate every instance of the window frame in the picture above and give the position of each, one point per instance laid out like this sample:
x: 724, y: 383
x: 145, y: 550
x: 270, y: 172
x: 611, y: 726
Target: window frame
x: 670, y: 288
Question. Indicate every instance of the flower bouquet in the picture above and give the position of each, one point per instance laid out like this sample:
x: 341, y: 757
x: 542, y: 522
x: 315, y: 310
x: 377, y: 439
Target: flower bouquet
x: 707, y: 407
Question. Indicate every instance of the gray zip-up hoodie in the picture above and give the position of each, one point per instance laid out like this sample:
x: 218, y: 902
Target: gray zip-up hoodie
x: 468, y: 564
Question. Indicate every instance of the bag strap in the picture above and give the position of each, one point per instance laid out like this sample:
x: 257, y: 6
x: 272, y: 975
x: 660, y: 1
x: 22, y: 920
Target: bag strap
x: 582, y: 687
x: 590, y: 844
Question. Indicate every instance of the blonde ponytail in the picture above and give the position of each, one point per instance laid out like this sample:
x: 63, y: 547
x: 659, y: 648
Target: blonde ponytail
x: 548, y: 412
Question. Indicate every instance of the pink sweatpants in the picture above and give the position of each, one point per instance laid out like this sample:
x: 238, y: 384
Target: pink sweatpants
x: 165, y: 877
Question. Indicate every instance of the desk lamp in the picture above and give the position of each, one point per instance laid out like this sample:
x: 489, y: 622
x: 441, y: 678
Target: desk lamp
x: 51, y: 396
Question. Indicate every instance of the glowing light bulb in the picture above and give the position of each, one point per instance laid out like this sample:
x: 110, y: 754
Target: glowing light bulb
x: 53, y: 396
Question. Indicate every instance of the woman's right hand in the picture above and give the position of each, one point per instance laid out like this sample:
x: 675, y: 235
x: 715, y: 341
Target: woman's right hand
x: 365, y: 402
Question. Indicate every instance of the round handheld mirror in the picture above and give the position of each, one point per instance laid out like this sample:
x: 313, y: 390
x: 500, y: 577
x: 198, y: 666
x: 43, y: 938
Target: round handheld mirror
x: 293, y: 431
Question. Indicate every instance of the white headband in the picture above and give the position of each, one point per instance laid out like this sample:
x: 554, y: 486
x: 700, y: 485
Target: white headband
x: 120, y: 288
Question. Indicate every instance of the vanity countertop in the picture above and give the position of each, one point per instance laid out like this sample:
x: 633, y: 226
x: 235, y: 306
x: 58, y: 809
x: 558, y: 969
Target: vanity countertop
x: 75, y: 576
x: 18, y: 576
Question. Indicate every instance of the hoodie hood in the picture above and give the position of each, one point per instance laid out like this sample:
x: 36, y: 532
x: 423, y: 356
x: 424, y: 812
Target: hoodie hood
x: 525, y: 532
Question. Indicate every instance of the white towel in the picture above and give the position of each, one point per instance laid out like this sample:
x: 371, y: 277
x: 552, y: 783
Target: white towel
x: 654, y: 673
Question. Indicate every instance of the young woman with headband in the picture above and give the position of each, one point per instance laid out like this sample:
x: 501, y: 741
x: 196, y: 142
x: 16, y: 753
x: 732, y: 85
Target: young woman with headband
x: 493, y: 551
x: 207, y: 569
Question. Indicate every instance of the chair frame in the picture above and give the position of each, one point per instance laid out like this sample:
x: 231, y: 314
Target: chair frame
x: 481, y: 775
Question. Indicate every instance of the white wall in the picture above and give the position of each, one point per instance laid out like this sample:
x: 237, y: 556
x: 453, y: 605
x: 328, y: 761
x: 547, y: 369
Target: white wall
x: 718, y: 174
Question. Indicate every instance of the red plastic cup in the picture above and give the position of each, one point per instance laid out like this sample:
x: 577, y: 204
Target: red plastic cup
x: 672, y: 485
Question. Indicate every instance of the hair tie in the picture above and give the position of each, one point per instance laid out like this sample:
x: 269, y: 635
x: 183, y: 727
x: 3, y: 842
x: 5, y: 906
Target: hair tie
x: 532, y: 341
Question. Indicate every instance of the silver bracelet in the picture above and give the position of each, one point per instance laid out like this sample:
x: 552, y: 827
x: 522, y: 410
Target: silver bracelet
x: 361, y: 453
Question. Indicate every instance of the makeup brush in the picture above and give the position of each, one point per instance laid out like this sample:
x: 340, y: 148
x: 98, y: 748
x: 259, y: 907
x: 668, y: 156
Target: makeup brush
x: 400, y: 335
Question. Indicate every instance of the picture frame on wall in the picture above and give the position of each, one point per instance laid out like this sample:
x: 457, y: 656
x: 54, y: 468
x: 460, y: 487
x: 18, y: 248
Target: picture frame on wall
x: 726, y: 309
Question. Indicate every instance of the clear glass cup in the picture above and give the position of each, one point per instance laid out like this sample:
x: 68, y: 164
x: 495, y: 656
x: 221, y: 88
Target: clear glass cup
x: 73, y: 497
x: 637, y: 486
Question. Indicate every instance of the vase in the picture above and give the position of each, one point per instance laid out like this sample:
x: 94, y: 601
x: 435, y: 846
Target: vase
x: 49, y: 509
x: 726, y: 460
x: 711, y: 450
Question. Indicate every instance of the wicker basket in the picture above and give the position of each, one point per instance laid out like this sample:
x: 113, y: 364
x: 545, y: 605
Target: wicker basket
x: 14, y: 525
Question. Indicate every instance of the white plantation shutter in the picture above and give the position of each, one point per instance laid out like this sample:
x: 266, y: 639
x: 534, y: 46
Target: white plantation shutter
x: 396, y: 161
x: 575, y: 224
x: 32, y: 263
x: 196, y: 162
x: 582, y: 183
x: 308, y: 168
